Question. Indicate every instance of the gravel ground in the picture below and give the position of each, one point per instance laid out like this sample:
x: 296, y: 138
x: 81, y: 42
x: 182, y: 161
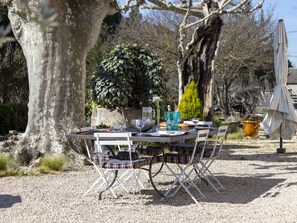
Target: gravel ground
x: 260, y: 186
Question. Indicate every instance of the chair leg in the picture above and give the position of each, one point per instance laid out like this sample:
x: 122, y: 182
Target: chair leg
x: 180, y: 178
x: 108, y: 187
x: 205, y: 169
x: 215, y: 178
x: 96, y: 182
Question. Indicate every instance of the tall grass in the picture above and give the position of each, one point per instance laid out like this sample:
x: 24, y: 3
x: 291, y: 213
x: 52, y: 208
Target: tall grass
x: 50, y: 163
x: 7, y: 165
x: 236, y: 135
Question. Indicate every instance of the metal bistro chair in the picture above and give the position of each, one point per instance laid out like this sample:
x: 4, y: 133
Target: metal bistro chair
x: 185, y: 164
x: 211, y: 152
x: 108, y: 165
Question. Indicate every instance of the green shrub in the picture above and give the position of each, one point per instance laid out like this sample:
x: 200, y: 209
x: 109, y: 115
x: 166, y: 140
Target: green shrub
x: 129, y: 76
x: 88, y: 112
x: 190, y: 105
x: 13, y: 116
x: 52, y: 163
x: 217, y: 120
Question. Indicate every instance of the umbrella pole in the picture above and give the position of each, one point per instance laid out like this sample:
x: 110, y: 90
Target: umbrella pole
x: 280, y: 149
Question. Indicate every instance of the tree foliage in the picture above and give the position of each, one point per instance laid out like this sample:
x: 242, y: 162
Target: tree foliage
x: 244, y: 65
x: 13, y: 73
x: 190, y: 104
x: 129, y: 76
x: 96, y: 55
x: 145, y: 30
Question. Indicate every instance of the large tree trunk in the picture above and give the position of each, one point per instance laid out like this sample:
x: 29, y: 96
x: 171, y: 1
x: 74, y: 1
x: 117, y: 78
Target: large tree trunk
x: 56, y: 61
x: 197, y: 63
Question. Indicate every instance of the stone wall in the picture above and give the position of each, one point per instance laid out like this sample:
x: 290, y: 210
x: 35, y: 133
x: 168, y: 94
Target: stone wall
x: 107, y: 117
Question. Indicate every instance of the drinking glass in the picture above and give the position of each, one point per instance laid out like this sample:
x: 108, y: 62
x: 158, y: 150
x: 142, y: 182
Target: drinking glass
x: 169, y: 125
x: 122, y: 124
x: 140, y: 123
x: 116, y: 127
x: 195, y: 121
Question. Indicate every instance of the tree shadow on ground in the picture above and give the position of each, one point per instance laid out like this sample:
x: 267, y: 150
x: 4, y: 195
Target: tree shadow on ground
x: 6, y: 200
x: 229, y: 153
x: 238, y: 190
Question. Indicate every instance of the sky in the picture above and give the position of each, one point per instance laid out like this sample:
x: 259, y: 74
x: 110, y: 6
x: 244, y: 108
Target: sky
x: 286, y: 10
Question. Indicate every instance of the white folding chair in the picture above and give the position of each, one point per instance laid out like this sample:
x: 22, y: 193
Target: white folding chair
x: 211, y: 152
x: 126, y: 160
x: 185, y: 164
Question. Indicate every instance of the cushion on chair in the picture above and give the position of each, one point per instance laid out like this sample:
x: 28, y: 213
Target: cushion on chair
x: 182, y: 148
x: 176, y: 158
x: 208, y: 150
x: 125, y: 164
x: 97, y: 157
x: 150, y: 150
x: 123, y: 155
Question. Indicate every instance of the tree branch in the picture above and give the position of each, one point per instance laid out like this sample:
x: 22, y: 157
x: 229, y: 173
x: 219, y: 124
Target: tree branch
x: 180, y: 8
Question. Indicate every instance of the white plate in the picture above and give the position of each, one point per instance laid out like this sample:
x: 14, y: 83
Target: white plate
x: 190, y: 123
x: 167, y: 133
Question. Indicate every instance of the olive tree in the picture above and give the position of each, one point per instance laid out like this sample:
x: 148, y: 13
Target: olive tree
x: 56, y: 36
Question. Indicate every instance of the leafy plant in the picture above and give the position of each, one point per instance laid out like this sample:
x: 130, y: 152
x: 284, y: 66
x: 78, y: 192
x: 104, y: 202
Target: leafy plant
x: 102, y: 126
x: 129, y: 76
x: 253, y: 117
x: 190, y: 104
x: 52, y: 163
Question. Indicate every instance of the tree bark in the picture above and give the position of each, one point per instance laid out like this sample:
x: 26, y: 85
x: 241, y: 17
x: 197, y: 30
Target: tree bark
x: 197, y: 62
x: 56, y: 61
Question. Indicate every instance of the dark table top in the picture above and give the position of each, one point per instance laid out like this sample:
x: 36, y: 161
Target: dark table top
x: 147, y: 137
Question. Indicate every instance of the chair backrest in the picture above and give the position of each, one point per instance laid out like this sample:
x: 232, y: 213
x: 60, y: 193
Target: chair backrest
x: 118, y: 139
x: 222, y: 131
x: 202, y: 137
x: 204, y: 123
x: 221, y: 134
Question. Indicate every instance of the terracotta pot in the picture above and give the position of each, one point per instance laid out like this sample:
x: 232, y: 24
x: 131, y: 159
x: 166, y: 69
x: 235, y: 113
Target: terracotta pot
x: 250, y: 128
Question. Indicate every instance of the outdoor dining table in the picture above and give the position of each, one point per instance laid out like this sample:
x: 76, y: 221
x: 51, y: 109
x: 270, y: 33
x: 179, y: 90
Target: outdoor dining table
x: 165, y: 139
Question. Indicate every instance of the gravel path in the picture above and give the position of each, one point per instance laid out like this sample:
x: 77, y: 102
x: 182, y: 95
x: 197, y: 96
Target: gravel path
x: 261, y: 186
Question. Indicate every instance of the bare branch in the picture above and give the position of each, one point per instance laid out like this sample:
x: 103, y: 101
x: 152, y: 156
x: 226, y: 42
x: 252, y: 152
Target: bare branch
x: 180, y: 7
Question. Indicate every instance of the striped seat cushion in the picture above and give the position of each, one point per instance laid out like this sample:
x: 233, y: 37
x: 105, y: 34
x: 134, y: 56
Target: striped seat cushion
x: 150, y: 150
x: 97, y: 157
x: 125, y: 164
x: 187, y: 149
x: 208, y: 151
x: 182, y: 148
x: 176, y: 158
x: 124, y: 155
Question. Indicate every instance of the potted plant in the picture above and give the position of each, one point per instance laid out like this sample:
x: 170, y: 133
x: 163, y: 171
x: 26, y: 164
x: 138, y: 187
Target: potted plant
x: 251, y: 123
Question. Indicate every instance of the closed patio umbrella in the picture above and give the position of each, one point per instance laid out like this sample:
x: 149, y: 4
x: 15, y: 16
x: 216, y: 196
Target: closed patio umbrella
x: 281, y: 119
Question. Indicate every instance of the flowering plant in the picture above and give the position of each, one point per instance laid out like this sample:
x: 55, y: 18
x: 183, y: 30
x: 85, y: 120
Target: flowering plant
x: 156, y: 100
x: 253, y: 117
